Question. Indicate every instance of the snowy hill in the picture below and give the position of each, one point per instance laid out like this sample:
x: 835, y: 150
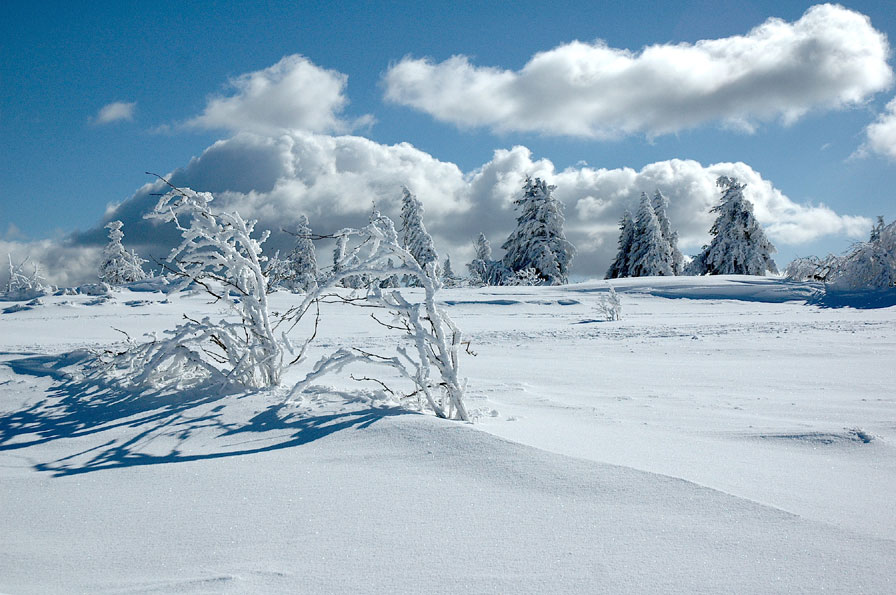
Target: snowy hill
x: 723, y: 436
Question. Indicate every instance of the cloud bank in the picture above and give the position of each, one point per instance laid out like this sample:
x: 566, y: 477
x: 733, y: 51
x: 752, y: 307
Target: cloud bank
x: 830, y: 58
x: 335, y: 180
x: 293, y: 94
x: 880, y: 136
x: 115, y: 112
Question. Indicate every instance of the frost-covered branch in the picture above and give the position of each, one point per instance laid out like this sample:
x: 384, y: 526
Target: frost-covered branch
x: 25, y: 286
x: 431, y: 363
x: 219, y: 254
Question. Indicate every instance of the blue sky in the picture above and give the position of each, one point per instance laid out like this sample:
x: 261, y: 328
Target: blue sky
x: 62, y: 63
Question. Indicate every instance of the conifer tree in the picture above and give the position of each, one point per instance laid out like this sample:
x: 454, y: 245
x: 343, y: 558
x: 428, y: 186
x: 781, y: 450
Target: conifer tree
x: 414, y: 235
x: 739, y: 246
x: 301, y: 264
x: 538, y: 242
x: 620, y: 266
x: 119, y: 266
x: 660, y: 207
x: 650, y: 254
x: 449, y: 279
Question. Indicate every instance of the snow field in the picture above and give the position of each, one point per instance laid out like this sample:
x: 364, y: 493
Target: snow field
x: 699, y: 444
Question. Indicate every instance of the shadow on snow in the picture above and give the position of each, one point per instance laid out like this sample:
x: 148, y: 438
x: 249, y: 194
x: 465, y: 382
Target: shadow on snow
x: 78, y: 406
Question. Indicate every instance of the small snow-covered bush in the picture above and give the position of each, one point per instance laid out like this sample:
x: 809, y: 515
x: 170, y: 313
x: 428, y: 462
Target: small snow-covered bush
x: 527, y: 276
x: 219, y: 254
x: 609, y: 306
x: 23, y: 286
x: 810, y: 268
x: 430, y: 361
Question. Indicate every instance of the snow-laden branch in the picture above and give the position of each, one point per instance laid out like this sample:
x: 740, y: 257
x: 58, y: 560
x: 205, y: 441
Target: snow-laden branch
x: 218, y: 253
x: 375, y: 253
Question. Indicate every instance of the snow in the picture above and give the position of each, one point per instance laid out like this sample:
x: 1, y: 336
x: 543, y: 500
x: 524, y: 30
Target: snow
x: 723, y: 436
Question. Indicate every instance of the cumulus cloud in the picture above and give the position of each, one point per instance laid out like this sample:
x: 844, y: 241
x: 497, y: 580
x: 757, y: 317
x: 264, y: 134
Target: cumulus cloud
x: 880, y: 136
x: 293, y: 94
x: 335, y: 181
x: 115, y: 112
x: 830, y: 58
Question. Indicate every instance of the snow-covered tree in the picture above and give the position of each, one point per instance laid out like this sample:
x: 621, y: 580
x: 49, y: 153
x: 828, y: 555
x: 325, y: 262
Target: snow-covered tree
x: 118, y: 265
x: 868, y: 265
x: 413, y: 232
x: 651, y: 254
x: 660, y: 207
x: 484, y: 270
x: 219, y: 254
x: 449, y: 279
x: 301, y: 263
x: 620, y: 266
x: 430, y: 359
x: 739, y: 246
x: 538, y: 242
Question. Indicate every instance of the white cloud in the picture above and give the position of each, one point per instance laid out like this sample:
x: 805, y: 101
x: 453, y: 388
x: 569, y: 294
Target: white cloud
x: 830, y: 58
x: 115, y: 112
x: 293, y: 94
x: 881, y: 135
x: 336, y: 179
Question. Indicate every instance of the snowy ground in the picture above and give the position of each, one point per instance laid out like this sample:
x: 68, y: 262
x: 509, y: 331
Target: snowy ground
x: 724, y: 436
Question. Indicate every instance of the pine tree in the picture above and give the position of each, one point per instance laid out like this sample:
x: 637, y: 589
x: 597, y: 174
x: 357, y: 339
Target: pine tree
x: 119, y: 266
x: 650, y: 254
x: 660, y: 207
x: 484, y: 270
x: 620, y: 266
x: 739, y: 246
x: 414, y: 235
x: 538, y: 242
x: 449, y: 279
x: 301, y: 263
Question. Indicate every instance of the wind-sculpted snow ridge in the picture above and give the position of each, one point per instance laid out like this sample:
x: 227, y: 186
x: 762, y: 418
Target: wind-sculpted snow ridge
x: 346, y: 517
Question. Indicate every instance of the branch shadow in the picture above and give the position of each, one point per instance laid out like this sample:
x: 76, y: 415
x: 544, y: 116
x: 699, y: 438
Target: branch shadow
x: 145, y: 421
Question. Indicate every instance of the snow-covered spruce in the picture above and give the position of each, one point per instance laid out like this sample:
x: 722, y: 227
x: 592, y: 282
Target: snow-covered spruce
x: 119, y: 266
x: 484, y: 270
x: 620, y: 265
x: 661, y: 206
x: 219, y: 254
x: 449, y: 279
x: 739, y: 246
x: 431, y: 362
x: 301, y: 264
x: 414, y: 235
x: 868, y: 265
x: 538, y: 242
x: 651, y: 254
